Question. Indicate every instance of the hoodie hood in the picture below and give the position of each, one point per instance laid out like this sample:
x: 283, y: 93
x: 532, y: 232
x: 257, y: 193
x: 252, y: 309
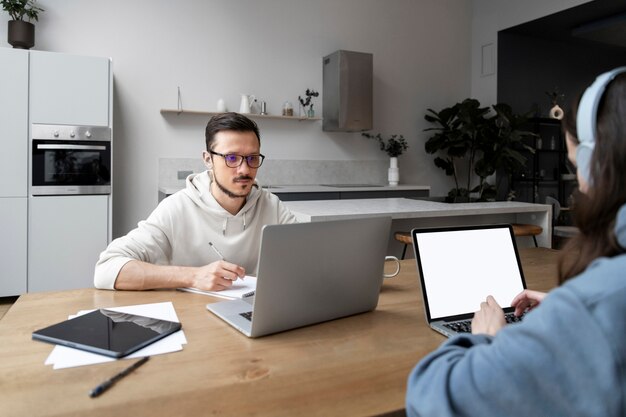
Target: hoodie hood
x: 198, y: 188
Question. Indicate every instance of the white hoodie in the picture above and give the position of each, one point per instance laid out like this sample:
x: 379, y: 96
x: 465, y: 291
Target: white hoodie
x: 179, y: 230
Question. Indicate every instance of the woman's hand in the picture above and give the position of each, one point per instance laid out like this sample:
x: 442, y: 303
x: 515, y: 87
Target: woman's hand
x: 489, y: 319
x: 527, y: 300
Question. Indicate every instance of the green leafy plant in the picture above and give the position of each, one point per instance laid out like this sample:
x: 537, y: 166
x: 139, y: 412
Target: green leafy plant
x: 18, y: 9
x: 482, y: 142
x: 394, y: 146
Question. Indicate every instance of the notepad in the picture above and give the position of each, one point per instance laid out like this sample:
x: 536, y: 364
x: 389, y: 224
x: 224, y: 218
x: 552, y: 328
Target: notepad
x: 241, y: 288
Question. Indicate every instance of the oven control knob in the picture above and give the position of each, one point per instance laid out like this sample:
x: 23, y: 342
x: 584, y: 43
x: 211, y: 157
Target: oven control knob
x: 72, y: 134
x: 56, y: 133
x: 88, y: 134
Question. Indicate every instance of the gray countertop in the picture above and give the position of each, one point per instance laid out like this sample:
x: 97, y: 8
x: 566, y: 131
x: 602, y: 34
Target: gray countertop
x: 315, y: 188
x: 404, y: 208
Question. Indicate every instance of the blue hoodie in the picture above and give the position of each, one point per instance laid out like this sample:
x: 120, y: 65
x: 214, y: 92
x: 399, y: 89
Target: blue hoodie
x: 567, y: 358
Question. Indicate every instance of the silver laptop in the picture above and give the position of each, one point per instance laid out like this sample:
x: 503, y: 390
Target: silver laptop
x: 460, y: 266
x: 309, y: 273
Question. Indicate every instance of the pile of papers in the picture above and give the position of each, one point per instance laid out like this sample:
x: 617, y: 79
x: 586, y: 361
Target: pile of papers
x: 65, y: 357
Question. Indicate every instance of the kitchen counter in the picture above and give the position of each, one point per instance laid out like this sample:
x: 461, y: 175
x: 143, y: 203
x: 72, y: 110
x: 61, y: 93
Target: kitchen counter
x: 169, y: 189
x: 326, y: 191
x: 409, y: 213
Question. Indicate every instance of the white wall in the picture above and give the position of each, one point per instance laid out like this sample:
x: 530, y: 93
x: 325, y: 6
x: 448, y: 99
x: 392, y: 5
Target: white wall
x: 490, y: 16
x: 270, y: 48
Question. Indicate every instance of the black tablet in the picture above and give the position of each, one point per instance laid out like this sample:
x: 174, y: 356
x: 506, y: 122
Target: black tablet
x: 107, y: 332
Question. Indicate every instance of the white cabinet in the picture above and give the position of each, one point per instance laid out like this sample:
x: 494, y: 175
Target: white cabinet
x: 13, y: 170
x: 69, y: 89
x: 48, y: 243
x: 13, y: 124
x: 13, y: 215
x: 65, y: 238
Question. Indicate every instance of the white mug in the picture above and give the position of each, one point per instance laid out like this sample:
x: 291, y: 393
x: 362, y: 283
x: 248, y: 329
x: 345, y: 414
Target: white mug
x: 397, y: 271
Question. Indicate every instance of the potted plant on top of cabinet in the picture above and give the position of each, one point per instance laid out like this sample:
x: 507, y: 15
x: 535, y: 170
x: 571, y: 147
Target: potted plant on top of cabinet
x: 21, y: 33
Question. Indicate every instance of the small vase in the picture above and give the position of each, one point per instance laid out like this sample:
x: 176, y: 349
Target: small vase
x: 21, y: 35
x: 311, y: 112
x: 393, y: 175
x: 556, y: 112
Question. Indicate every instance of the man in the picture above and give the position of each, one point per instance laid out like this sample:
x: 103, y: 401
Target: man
x: 223, y: 205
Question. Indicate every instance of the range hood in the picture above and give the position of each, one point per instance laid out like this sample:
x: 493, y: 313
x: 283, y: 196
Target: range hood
x: 347, y: 94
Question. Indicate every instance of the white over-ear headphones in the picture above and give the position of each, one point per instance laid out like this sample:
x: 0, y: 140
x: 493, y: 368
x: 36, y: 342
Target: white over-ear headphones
x: 586, y: 120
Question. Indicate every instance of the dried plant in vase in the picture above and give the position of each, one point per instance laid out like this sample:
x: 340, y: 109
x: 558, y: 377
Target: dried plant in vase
x: 306, y: 102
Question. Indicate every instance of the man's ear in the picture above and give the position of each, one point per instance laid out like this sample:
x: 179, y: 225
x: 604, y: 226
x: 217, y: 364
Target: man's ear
x: 206, y: 157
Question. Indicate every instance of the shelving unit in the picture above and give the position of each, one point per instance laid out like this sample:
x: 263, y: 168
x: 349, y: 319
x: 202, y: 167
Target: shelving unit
x: 250, y: 115
x: 547, y: 171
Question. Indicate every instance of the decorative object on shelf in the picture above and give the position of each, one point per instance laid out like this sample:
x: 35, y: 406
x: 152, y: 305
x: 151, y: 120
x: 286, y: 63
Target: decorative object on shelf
x: 179, y: 103
x: 287, y: 109
x: 246, y: 103
x: 166, y: 112
x: 489, y: 143
x: 306, y: 102
x: 21, y: 33
x: 556, y: 112
x: 263, y: 109
x: 394, y: 147
x: 221, y: 105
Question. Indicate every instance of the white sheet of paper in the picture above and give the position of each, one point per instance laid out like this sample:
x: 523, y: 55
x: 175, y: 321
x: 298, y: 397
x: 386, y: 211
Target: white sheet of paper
x: 239, y: 289
x: 65, y: 357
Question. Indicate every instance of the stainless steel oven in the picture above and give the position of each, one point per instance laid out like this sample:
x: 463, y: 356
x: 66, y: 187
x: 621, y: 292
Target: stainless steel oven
x: 70, y: 160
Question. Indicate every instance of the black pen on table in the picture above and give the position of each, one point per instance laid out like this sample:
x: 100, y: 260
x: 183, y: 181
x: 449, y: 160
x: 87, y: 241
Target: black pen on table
x: 109, y: 382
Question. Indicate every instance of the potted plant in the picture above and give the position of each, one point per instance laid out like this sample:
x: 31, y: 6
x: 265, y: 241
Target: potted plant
x: 306, y: 102
x: 481, y: 142
x: 394, y: 146
x: 21, y: 33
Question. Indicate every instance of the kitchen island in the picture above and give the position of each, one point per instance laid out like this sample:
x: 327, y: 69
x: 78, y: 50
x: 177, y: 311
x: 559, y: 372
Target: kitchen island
x: 409, y: 213
x: 325, y: 191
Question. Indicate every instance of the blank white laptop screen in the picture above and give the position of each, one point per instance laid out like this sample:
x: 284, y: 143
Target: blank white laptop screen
x: 462, y: 267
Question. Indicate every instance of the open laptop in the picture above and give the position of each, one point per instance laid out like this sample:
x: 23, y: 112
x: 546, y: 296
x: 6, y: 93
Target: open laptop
x: 311, y: 272
x: 460, y: 266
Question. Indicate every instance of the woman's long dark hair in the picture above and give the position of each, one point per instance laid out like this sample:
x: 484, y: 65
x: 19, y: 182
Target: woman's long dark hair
x: 594, y: 212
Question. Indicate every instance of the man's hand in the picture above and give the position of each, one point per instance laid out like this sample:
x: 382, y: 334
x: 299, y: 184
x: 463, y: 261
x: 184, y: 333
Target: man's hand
x: 217, y: 276
x: 489, y: 319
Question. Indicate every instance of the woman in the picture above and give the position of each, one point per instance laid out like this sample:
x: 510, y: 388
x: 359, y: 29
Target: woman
x: 568, y: 356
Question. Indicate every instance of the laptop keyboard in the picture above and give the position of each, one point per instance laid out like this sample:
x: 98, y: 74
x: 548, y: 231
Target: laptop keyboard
x: 247, y: 315
x: 465, y: 326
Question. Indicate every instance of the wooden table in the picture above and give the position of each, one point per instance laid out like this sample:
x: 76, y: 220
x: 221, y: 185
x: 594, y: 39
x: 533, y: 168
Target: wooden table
x: 354, y: 366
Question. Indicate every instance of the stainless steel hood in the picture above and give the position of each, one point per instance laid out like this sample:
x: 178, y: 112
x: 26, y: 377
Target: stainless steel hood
x: 347, y: 94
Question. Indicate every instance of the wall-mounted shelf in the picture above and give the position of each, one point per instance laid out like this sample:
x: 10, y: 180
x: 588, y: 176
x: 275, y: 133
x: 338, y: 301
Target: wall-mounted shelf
x: 250, y: 115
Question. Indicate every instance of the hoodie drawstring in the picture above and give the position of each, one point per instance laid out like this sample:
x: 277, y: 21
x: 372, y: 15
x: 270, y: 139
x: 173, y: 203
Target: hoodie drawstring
x: 225, y: 224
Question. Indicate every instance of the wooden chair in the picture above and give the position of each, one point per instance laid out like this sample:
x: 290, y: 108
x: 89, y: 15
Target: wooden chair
x: 533, y: 230
x: 518, y: 230
x: 403, y: 237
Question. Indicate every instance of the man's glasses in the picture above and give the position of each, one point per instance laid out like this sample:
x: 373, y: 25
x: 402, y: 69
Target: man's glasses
x: 234, y: 161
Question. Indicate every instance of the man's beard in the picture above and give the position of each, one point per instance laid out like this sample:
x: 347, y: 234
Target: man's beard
x: 230, y: 193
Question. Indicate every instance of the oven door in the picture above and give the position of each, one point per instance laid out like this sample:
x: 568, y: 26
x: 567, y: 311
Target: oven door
x: 70, y: 167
